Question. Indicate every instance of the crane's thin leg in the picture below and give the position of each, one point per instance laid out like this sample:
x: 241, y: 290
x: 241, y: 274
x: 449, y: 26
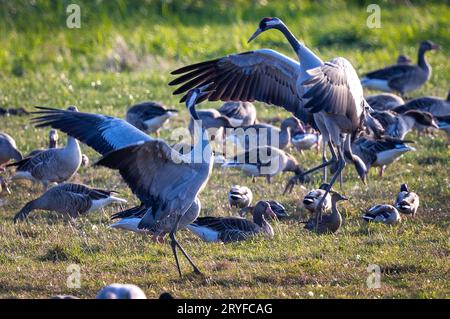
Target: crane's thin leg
x: 196, y: 270
x: 173, y: 244
x: 290, y: 186
x: 324, y: 160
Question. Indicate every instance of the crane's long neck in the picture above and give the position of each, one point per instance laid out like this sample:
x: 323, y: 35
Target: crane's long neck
x: 307, y: 58
x: 202, y: 150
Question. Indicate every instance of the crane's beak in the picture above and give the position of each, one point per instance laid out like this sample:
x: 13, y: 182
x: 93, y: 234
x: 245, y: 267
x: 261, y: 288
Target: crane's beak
x: 257, y: 32
x: 204, y: 90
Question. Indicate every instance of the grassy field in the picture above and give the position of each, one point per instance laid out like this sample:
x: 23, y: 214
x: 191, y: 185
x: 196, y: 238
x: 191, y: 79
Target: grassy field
x: 122, y: 54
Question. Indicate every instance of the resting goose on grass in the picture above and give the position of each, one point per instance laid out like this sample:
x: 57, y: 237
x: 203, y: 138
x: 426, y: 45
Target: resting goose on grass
x: 8, y: 149
x: 385, y: 214
x: 240, y: 196
x: 407, y: 202
x: 230, y: 229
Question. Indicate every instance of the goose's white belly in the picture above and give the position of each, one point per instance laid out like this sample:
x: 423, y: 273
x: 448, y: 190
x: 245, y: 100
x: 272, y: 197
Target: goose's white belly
x: 376, y: 84
x: 387, y: 157
x: 204, y: 233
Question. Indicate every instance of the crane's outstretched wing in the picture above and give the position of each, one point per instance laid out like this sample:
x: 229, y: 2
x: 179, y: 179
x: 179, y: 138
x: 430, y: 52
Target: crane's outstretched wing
x: 261, y: 75
x: 157, y: 175
x: 102, y: 133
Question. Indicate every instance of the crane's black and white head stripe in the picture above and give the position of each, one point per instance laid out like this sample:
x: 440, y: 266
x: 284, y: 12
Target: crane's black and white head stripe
x: 266, y: 24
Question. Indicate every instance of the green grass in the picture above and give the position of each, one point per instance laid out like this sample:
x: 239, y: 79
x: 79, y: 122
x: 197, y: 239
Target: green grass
x: 44, y: 63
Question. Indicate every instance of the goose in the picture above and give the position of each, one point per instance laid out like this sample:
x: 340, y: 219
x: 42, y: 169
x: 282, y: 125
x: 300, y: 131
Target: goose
x: 397, y: 125
x: 278, y: 209
x: 407, y: 202
x: 380, y: 152
x: 303, y: 140
x: 313, y: 197
x: 329, y: 223
x: 70, y: 199
x: 20, y: 111
x: 385, y: 214
x: 239, y: 113
x: 265, y: 161
x: 264, y: 134
x: 402, y: 78
x: 403, y: 59
x: 121, y: 291
x: 53, y: 138
x: 213, y: 121
x: 326, y: 93
x: 149, y: 117
x: 52, y: 165
x: 384, y: 101
x: 240, y: 196
x: 8, y: 149
x: 444, y: 125
x: 231, y: 229
x: 131, y: 218
x: 434, y: 105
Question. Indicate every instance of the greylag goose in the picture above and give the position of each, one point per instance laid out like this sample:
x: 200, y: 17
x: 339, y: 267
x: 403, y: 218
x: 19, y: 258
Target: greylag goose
x: 121, y: 291
x: 278, y: 209
x: 239, y: 113
x: 397, y: 125
x: 230, y: 229
x: 312, y: 199
x: 70, y: 199
x: 385, y: 214
x: 4, y: 187
x: 213, y: 122
x: 329, y: 223
x: 149, y: 117
x: 240, y: 196
x: 264, y: 135
x: 380, y: 152
x: 264, y: 161
x: 131, y: 218
x: 146, y: 169
x: 8, y: 149
x: 407, y: 202
x: 53, y: 138
x: 434, y: 105
x: 403, y: 59
x: 402, y: 78
x: 332, y: 90
x: 384, y: 101
x: 304, y: 140
x: 52, y: 165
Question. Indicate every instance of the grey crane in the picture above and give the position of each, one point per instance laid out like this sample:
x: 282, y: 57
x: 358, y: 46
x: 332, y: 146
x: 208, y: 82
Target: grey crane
x: 8, y: 149
x: 165, y: 181
x: 149, y: 117
x: 70, y: 199
x: 239, y: 113
x: 402, y: 78
x: 331, y: 91
x: 230, y: 229
x: 55, y: 165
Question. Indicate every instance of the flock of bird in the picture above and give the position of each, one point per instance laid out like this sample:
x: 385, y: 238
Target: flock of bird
x: 328, y: 112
